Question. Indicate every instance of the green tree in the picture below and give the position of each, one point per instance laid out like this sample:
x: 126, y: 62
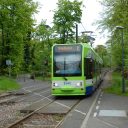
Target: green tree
x: 43, y: 33
x: 42, y: 48
x: 103, y: 53
x: 115, y: 14
x: 84, y: 38
x: 66, y: 16
x: 16, y: 25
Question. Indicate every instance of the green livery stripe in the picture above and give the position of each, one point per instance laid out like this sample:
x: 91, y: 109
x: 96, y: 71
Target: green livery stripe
x: 69, y: 78
x: 68, y: 91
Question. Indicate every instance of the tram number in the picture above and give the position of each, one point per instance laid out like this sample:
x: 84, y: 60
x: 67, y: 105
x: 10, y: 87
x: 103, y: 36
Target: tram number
x: 67, y: 83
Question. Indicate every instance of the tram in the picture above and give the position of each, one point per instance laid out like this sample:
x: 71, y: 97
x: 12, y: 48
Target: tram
x: 76, y: 69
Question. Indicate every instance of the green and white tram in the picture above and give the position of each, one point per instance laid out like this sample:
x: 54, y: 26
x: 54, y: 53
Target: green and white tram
x: 76, y: 69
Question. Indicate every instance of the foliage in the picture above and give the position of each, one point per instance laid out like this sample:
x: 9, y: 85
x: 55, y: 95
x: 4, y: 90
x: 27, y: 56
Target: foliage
x: 103, y: 53
x: 28, y: 46
x: 116, y: 85
x: 7, y: 84
x: 42, y: 43
x: 15, y: 27
x: 66, y: 16
x: 115, y: 14
x: 84, y: 38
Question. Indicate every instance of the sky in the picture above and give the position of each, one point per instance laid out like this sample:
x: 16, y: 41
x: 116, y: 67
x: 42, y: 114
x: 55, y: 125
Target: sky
x: 90, y: 14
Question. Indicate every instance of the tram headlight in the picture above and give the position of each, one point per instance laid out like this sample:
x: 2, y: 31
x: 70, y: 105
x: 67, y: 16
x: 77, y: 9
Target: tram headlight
x: 79, y: 84
x: 55, y: 85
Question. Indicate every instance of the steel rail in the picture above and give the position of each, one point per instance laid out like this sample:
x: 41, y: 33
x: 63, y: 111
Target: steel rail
x: 70, y: 110
x: 29, y: 115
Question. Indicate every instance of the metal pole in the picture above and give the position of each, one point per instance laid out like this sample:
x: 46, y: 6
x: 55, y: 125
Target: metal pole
x: 122, y: 44
x: 123, y: 82
x: 76, y: 33
x: 9, y: 70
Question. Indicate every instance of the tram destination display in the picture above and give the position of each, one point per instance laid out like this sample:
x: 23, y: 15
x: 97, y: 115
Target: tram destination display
x: 65, y: 49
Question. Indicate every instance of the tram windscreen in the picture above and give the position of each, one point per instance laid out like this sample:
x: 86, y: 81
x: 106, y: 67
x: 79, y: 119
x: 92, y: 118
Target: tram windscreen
x: 67, y: 60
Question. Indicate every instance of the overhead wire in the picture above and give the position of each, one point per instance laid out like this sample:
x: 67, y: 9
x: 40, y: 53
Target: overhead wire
x: 83, y: 26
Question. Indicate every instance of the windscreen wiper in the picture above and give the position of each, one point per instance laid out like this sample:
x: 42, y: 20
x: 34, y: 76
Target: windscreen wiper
x: 64, y: 69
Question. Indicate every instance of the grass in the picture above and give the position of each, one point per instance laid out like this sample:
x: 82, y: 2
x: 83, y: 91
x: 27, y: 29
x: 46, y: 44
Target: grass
x: 116, y: 85
x: 8, y: 84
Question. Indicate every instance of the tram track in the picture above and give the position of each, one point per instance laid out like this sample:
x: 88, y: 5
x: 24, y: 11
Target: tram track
x: 71, y: 109
x: 16, y: 124
x: 12, y: 97
x: 35, y: 90
x: 31, y: 120
x: 7, y: 99
x: 9, y: 112
x: 11, y: 103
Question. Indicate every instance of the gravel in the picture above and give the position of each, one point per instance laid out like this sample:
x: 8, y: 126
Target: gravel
x: 9, y: 113
x: 7, y: 98
x: 41, y: 121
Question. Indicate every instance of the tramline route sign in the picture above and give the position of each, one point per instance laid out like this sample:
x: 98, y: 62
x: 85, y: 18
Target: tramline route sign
x: 8, y: 62
x: 69, y: 48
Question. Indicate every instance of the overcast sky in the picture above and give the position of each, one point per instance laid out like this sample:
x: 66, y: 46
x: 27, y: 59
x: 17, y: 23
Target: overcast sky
x: 91, y: 13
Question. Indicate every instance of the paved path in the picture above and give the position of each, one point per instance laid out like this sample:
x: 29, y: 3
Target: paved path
x: 110, y: 111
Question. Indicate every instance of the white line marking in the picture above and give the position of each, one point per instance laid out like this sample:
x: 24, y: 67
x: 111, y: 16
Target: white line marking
x: 84, y: 124
x: 99, y: 102
x: 95, y: 114
x: 45, y: 91
x: 113, y: 113
x: 70, y: 107
x: 27, y: 90
x: 101, y: 94
x: 37, y: 94
x: 80, y: 112
x: 97, y: 107
x: 63, y: 105
x: 43, y: 99
x: 28, y: 87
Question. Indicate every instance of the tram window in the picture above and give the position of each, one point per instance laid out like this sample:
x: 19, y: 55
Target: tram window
x: 94, y: 67
x: 88, y: 68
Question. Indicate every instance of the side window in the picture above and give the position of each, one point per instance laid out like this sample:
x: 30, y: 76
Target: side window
x: 85, y: 67
x: 88, y: 68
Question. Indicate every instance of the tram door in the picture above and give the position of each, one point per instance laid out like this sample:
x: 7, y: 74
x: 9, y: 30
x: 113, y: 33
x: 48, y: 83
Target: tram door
x: 88, y: 68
